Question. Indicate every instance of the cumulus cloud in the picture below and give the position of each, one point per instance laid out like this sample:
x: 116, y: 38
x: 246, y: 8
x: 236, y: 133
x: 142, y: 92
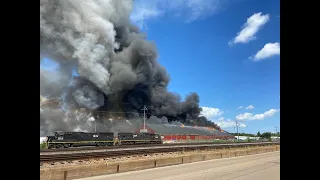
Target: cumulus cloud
x: 250, y: 28
x: 228, y: 123
x: 214, y: 115
x: 188, y: 10
x: 250, y: 116
x: 210, y: 112
x: 250, y: 107
x: 270, y: 49
x: 240, y: 107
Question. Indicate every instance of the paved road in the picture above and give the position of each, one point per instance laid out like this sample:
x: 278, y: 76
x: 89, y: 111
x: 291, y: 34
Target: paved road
x: 254, y: 167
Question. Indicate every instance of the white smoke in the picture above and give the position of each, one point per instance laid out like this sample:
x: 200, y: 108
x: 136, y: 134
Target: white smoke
x: 84, y: 31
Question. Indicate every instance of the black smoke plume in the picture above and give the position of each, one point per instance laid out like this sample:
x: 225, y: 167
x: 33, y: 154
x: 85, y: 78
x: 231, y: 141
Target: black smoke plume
x: 117, y: 66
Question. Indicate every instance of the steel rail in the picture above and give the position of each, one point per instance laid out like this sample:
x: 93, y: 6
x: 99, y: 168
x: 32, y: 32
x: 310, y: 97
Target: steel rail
x: 139, y: 151
x: 134, y: 145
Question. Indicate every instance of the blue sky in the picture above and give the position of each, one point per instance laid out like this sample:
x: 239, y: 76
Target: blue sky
x: 197, y: 45
x: 228, y: 51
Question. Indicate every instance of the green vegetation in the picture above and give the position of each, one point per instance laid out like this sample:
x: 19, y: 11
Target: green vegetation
x: 43, y: 145
x: 243, y: 134
x: 258, y: 134
x: 275, y: 134
x: 266, y: 135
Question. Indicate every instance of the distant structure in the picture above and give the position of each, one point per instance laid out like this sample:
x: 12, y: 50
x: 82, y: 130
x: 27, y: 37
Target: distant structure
x: 182, y: 133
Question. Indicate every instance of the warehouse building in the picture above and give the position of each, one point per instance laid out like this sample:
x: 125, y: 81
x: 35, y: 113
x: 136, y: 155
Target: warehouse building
x: 178, y: 133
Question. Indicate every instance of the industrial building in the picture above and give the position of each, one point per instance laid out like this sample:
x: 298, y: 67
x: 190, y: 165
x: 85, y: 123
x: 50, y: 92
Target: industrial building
x: 182, y: 133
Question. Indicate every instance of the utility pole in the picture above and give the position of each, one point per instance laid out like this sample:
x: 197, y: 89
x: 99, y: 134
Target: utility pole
x: 237, y: 126
x: 276, y: 129
x: 144, y: 118
x: 95, y: 123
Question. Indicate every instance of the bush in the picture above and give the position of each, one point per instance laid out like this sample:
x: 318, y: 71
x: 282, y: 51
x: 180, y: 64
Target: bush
x: 266, y: 135
x: 43, y: 145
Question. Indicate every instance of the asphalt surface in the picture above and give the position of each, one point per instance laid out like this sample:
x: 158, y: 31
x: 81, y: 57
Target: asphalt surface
x: 264, y: 166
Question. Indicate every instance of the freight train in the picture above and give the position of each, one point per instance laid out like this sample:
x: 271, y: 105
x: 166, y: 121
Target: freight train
x: 76, y: 139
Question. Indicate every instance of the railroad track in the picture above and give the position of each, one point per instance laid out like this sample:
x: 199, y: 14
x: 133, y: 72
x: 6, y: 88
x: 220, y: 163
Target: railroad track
x: 140, y: 151
x: 129, y: 146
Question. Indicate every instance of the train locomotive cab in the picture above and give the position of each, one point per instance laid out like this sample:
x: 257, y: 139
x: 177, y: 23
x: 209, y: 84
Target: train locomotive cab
x: 155, y: 138
x: 76, y: 139
x: 57, y: 141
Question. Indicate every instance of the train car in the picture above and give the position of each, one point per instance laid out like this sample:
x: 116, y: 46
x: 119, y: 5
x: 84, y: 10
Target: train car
x: 140, y: 138
x: 75, y: 139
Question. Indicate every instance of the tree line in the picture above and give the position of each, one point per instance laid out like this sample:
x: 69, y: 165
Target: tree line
x: 266, y: 135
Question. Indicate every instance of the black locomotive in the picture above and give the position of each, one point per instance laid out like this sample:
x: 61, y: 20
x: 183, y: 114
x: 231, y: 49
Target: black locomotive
x: 140, y: 138
x: 76, y: 139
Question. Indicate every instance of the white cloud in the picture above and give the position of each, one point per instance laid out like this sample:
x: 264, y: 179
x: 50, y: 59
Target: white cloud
x: 189, y: 10
x: 228, y: 123
x: 250, y: 28
x: 270, y: 49
x: 210, y: 112
x: 250, y: 107
x: 144, y: 10
x: 250, y: 116
x: 240, y: 107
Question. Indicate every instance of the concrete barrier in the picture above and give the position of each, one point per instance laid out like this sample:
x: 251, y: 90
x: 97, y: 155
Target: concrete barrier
x: 50, y: 174
x: 232, y: 154
x: 169, y: 161
x: 79, y: 171
x: 252, y: 151
x: 193, y: 158
x: 241, y: 153
x: 136, y: 165
x: 262, y: 150
x: 269, y: 149
x: 225, y: 154
x: 213, y: 156
x: 73, y: 172
x: 112, y: 168
x: 86, y: 171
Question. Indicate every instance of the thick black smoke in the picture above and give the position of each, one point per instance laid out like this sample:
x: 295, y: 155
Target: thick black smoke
x: 118, y: 67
